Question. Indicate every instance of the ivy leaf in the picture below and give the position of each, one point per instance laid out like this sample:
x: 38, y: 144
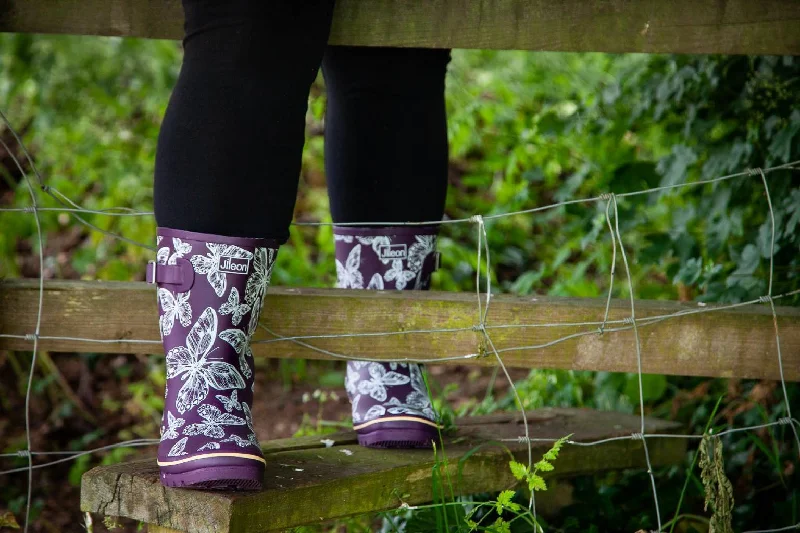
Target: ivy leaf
x: 673, y: 167
x: 689, y: 272
x: 781, y: 146
x: 748, y: 261
x: 519, y: 470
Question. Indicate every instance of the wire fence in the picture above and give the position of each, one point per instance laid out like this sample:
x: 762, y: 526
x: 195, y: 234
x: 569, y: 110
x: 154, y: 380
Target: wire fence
x: 36, y: 187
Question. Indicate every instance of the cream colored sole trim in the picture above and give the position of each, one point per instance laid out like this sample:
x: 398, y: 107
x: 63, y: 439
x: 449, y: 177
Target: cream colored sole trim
x: 209, y: 455
x: 396, y: 419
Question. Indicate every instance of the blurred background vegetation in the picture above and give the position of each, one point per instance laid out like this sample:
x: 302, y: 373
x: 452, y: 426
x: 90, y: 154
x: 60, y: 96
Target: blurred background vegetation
x: 526, y: 129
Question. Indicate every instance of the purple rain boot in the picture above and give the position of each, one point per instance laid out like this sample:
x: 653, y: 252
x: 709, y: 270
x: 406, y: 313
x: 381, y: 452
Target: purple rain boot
x: 210, y: 292
x: 391, y: 407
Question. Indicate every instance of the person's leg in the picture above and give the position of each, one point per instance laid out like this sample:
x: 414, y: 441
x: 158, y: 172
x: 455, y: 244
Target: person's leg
x: 227, y: 167
x: 386, y: 161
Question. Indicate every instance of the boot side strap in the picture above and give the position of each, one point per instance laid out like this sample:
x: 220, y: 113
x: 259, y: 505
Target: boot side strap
x: 178, y: 277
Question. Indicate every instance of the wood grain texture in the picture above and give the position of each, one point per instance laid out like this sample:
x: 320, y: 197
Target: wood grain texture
x: 676, y: 26
x: 725, y: 343
x: 317, y: 484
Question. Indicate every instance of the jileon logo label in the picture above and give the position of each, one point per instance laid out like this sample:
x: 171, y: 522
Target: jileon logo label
x: 233, y: 265
x: 393, y: 251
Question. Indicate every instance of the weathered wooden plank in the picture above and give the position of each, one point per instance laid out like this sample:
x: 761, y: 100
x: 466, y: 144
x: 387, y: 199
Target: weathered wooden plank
x: 677, y: 26
x: 725, y: 343
x: 158, y: 529
x: 313, y: 485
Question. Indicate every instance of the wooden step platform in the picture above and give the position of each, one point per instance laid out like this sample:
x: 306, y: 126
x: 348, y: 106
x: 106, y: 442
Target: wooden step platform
x: 307, y: 482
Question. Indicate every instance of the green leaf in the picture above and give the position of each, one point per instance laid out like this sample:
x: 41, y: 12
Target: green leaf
x: 504, y: 501
x: 781, y: 145
x: 519, y: 470
x: 544, y: 466
x: 500, y: 526
x: 536, y: 482
x: 634, y: 176
x: 748, y: 261
x: 674, y: 166
x: 689, y: 272
x: 654, y: 386
x: 505, y: 497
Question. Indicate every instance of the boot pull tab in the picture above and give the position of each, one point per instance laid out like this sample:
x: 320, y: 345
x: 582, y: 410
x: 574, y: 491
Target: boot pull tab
x: 177, y: 278
x: 437, y: 260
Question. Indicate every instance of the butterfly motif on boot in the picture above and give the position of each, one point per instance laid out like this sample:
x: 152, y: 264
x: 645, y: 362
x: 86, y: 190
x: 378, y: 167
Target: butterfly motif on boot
x: 348, y: 276
x: 379, y: 380
x: 173, y: 424
x: 398, y: 275
x: 174, y: 307
x: 231, y: 403
x: 179, y: 448
x: 257, y: 284
x: 240, y: 342
x: 251, y: 440
x: 232, y: 306
x: 196, y: 369
x: 213, y: 420
x: 181, y: 248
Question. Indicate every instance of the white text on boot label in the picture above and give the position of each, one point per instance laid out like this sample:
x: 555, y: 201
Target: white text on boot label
x: 393, y: 251
x: 233, y: 265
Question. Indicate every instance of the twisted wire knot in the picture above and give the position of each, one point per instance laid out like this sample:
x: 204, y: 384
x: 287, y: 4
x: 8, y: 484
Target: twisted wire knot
x: 478, y: 219
x: 784, y: 420
x: 607, y: 196
x: 755, y: 171
x: 29, y: 209
x: 765, y: 299
x: 637, y: 436
x: 31, y: 337
x: 628, y: 320
x: 24, y: 453
x: 479, y: 327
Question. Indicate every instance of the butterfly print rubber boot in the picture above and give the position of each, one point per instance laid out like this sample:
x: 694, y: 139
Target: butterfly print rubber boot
x: 210, y: 290
x: 391, y: 406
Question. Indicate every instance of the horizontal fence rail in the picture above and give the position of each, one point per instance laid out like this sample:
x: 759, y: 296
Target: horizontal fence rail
x: 675, y: 26
x: 536, y: 332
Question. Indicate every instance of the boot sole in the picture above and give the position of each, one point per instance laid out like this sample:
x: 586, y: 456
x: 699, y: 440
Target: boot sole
x: 398, y: 435
x: 218, y: 473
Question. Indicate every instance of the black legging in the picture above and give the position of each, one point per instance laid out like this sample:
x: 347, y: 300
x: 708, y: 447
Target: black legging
x: 229, y: 151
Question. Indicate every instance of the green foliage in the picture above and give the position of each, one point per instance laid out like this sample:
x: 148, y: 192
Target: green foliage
x: 532, y: 477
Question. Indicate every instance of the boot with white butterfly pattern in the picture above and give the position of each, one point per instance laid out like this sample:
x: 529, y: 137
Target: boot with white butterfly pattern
x: 390, y: 403
x: 210, y: 292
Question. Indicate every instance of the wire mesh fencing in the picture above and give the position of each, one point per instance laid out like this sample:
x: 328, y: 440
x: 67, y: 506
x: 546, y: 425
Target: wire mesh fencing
x: 37, y: 188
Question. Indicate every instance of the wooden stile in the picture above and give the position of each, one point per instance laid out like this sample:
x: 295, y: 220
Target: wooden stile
x: 674, y: 26
x: 307, y: 483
